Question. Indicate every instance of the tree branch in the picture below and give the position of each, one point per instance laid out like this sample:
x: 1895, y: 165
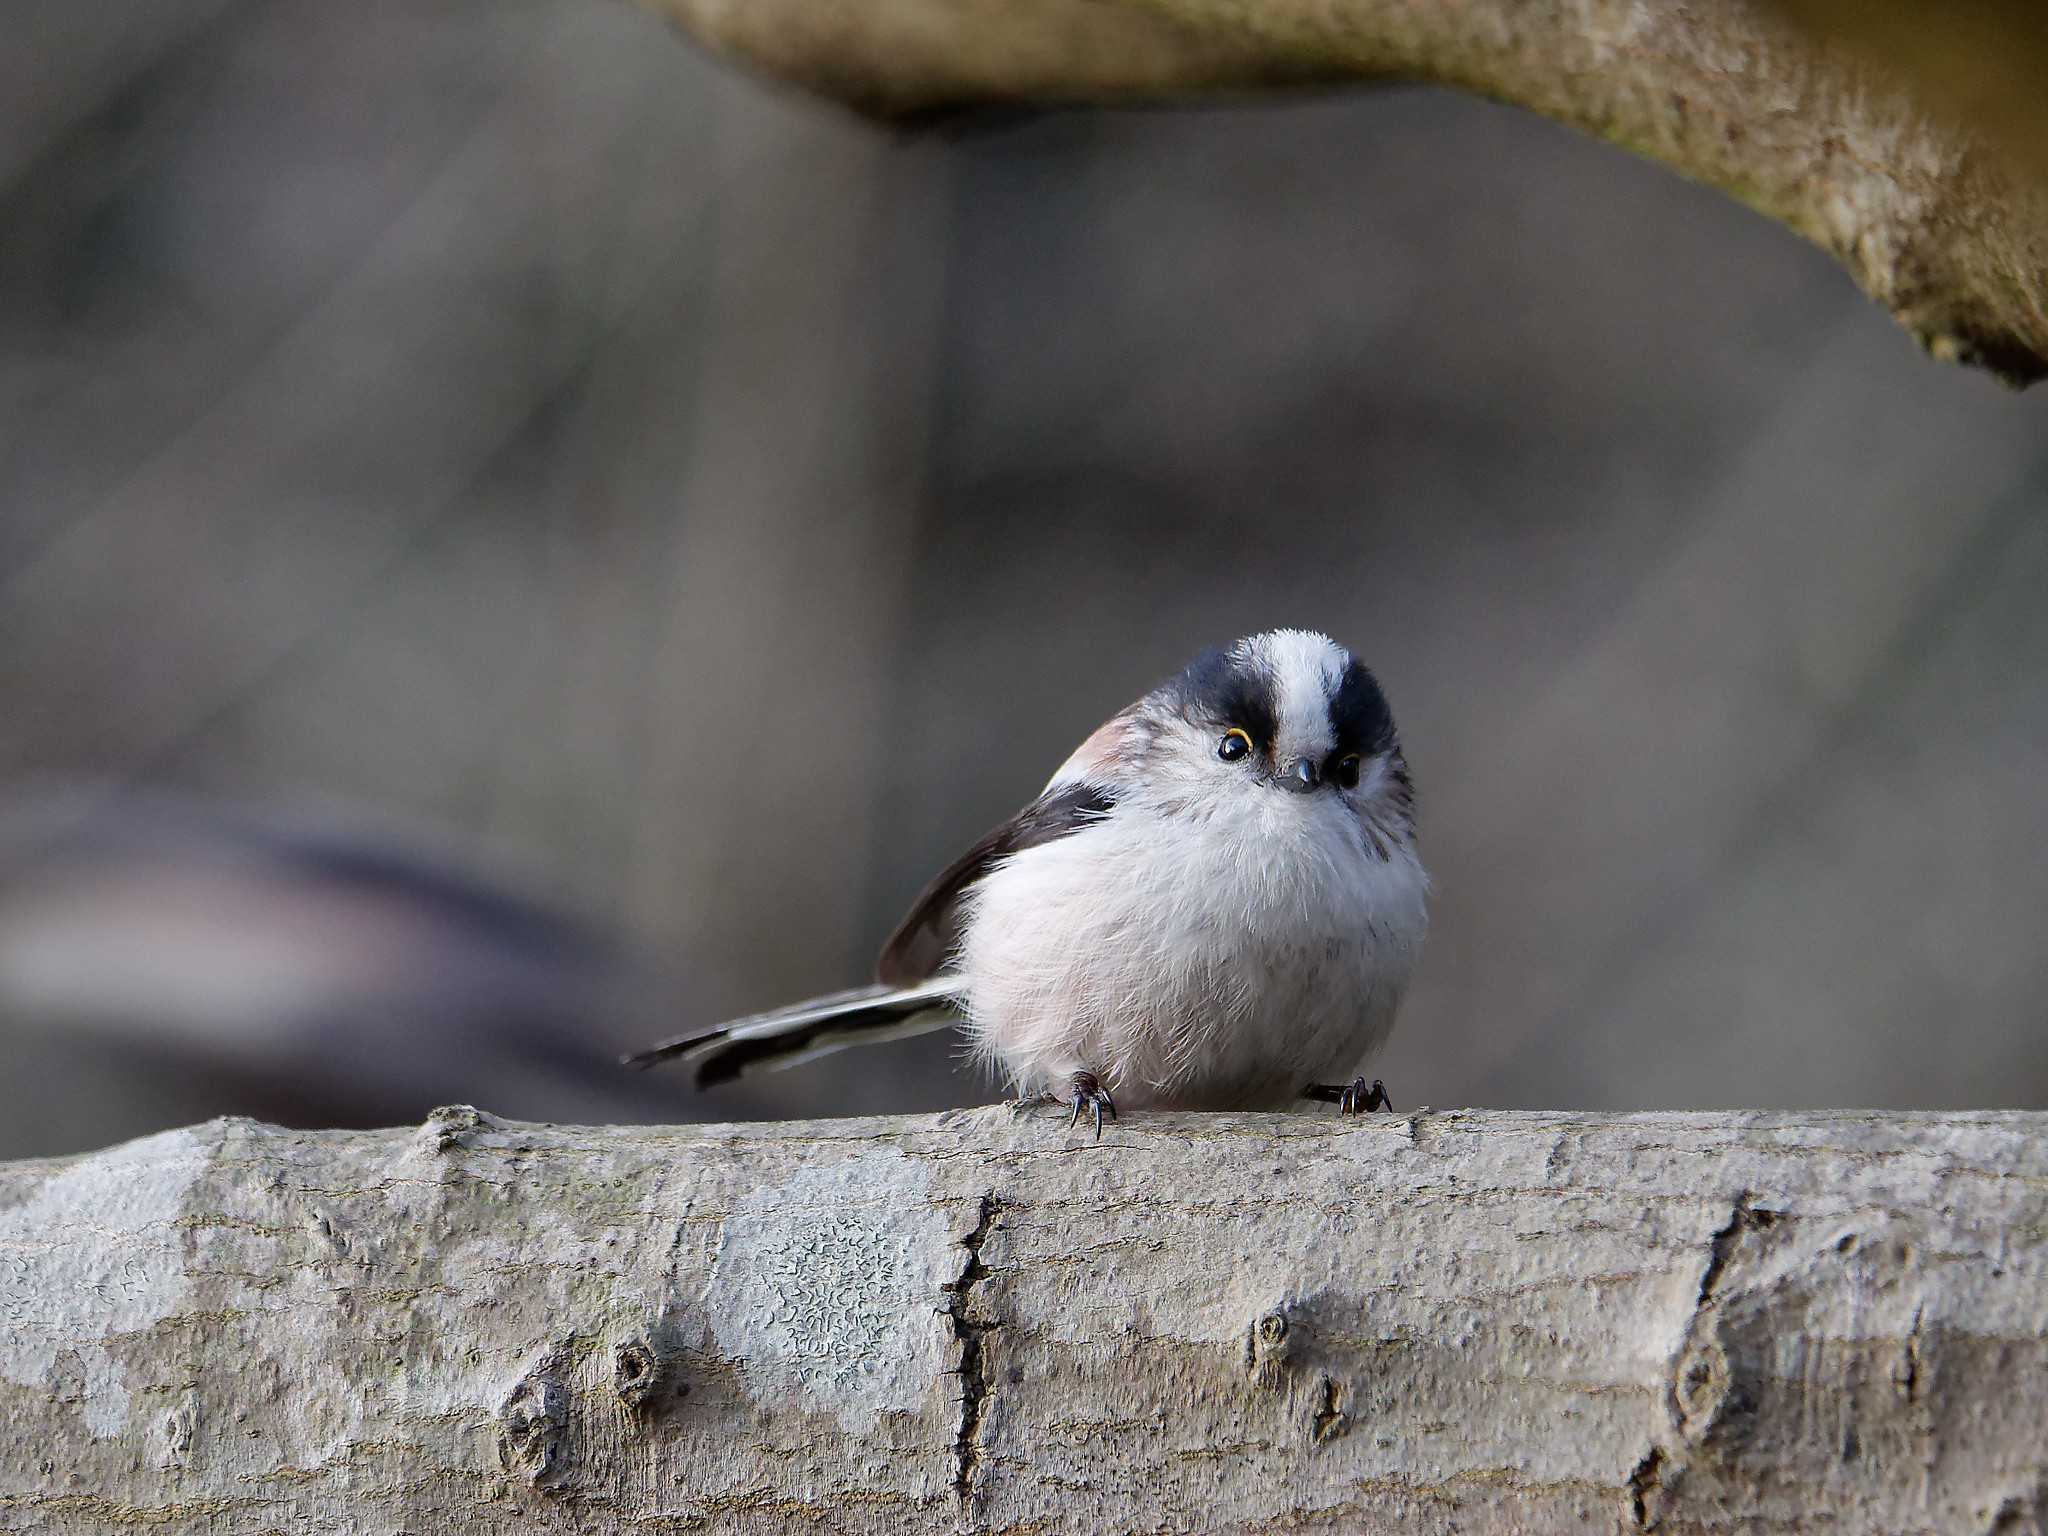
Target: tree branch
x: 1493, y: 1321
x: 1945, y: 232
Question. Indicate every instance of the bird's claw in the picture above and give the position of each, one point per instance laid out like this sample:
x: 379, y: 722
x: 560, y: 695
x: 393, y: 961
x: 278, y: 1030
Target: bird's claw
x: 1361, y: 1098
x: 1089, y: 1097
x: 1357, y: 1097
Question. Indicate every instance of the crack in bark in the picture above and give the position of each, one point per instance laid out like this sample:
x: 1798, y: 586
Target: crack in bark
x: 1744, y: 1218
x: 1331, y: 1420
x: 975, y: 1386
x: 1644, y: 1483
x: 1911, y: 1383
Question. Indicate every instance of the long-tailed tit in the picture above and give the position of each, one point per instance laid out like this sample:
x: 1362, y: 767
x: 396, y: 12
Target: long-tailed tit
x: 1216, y: 903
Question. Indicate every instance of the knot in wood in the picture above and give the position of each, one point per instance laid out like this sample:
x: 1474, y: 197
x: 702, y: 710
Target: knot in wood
x: 175, y: 1435
x: 444, y: 1128
x: 636, y: 1373
x: 1716, y: 1381
x: 530, y: 1429
x: 1700, y: 1388
x: 1266, y: 1349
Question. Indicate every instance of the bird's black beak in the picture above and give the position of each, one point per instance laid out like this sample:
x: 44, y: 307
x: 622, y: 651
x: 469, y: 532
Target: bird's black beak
x: 1300, y: 776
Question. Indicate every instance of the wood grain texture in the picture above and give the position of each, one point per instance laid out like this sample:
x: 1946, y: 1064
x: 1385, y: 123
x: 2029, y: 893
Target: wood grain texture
x: 1463, y: 1321
x: 1934, y: 219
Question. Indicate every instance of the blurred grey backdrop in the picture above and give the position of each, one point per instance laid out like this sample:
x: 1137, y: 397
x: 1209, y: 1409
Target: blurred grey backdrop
x: 553, y: 501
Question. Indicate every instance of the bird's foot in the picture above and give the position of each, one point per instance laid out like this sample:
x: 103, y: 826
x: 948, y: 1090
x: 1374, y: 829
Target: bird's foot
x: 1086, y: 1095
x: 1357, y: 1097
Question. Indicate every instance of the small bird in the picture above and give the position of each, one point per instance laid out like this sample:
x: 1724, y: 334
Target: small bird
x: 1216, y: 903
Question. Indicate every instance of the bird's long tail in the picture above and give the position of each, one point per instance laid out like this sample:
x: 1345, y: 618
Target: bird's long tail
x: 787, y: 1037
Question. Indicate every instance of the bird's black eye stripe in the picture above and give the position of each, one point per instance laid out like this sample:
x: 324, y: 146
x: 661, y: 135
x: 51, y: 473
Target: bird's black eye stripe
x: 1359, y: 717
x: 1222, y: 690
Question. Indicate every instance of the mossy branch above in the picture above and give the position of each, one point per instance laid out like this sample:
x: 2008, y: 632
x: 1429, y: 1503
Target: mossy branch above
x: 1943, y: 227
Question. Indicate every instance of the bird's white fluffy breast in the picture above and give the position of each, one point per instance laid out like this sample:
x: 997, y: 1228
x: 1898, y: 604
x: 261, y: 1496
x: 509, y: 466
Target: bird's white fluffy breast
x: 1193, y: 952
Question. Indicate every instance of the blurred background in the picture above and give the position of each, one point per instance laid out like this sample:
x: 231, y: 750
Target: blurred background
x: 515, y: 540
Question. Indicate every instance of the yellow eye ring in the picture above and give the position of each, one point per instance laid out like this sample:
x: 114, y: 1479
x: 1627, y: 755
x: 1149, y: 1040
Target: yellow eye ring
x: 1235, y: 746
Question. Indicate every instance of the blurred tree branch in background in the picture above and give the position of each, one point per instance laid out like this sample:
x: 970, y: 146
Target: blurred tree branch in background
x: 1909, y: 148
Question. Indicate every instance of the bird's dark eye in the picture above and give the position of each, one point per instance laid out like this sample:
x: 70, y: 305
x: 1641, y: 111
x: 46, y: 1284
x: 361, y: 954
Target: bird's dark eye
x: 1347, y: 771
x: 1234, y: 745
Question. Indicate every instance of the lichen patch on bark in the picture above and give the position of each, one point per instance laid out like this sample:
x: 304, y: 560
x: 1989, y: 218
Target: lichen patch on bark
x: 830, y: 1287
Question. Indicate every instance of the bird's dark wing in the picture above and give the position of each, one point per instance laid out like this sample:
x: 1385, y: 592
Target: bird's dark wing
x: 924, y: 939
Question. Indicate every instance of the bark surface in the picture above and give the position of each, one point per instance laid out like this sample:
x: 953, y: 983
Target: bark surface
x: 1470, y: 1321
x: 1942, y: 224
